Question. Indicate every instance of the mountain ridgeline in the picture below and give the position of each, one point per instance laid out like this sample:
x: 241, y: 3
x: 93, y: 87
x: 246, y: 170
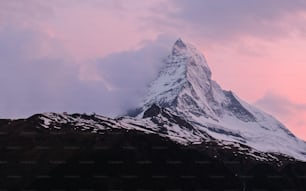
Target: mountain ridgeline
x: 187, y: 134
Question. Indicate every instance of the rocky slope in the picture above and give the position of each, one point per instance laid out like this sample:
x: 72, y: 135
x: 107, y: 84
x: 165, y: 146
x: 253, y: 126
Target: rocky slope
x: 90, y: 152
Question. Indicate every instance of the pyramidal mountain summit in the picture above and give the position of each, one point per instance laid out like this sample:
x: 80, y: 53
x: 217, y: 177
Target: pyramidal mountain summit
x: 186, y: 127
x: 184, y: 87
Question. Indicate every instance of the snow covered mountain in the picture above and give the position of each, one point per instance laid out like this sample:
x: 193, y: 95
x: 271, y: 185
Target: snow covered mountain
x: 186, y: 106
x: 185, y: 87
x: 187, y: 134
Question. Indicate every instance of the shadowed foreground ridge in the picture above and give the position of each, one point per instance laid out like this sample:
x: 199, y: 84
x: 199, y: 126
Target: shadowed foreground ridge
x: 62, y: 157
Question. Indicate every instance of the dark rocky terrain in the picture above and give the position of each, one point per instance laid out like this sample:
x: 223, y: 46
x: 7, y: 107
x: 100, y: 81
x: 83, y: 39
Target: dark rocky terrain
x: 119, y: 159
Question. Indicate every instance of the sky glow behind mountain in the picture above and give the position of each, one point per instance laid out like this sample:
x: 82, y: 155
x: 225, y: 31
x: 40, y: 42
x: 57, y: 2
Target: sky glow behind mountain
x: 99, y: 55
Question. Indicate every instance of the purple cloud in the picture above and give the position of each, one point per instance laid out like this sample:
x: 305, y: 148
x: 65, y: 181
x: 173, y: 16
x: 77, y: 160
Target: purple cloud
x: 224, y: 20
x: 280, y: 105
x: 33, y: 81
x: 293, y: 114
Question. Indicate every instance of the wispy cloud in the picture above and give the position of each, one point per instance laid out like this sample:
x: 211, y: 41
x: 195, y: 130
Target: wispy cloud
x: 227, y: 20
x: 34, y: 80
x: 293, y: 114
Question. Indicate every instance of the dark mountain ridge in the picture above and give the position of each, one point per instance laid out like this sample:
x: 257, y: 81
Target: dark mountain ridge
x: 69, y: 157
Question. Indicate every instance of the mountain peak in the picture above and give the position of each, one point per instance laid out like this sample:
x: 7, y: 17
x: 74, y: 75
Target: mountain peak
x: 184, y: 86
x: 185, y: 69
x: 179, y: 47
x: 180, y: 44
x: 185, y: 51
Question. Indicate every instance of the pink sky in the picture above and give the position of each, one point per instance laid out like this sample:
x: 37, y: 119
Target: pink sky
x: 255, y: 49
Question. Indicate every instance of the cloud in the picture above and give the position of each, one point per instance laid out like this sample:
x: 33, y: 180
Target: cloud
x: 132, y: 71
x: 228, y: 20
x: 35, y: 81
x: 14, y: 11
x: 37, y: 76
x: 280, y: 104
x: 128, y: 68
x: 291, y: 113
